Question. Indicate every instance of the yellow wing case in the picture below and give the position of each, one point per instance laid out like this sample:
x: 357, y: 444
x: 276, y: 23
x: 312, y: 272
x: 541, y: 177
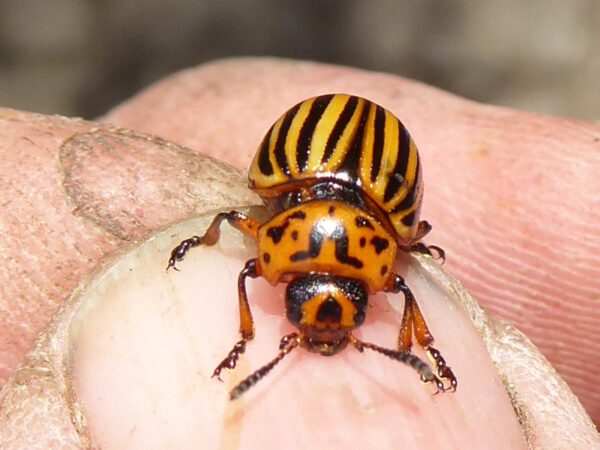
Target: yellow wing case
x: 351, y: 140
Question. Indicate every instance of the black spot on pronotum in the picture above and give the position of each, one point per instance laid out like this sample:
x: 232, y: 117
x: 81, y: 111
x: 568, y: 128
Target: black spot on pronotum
x: 316, y: 239
x: 384, y: 270
x: 301, y: 215
x: 267, y: 258
x: 314, y: 246
x: 362, y: 242
x: 331, y: 211
x: 380, y: 244
x: 276, y: 233
x: 361, y: 222
x: 295, y: 235
x: 341, y: 252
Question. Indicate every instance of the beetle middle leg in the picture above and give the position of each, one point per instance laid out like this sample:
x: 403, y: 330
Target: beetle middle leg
x: 237, y: 220
x: 413, y: 321
x: 252, y: 270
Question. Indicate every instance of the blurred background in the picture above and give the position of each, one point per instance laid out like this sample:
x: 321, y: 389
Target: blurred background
x: 82, y: 57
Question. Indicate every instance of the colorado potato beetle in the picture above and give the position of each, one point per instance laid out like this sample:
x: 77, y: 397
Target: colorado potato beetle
x: 342, y: 179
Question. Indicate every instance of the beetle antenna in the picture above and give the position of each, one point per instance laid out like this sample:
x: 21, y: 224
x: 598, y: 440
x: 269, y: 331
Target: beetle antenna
x: 286, y: 345
x: 422, y: 368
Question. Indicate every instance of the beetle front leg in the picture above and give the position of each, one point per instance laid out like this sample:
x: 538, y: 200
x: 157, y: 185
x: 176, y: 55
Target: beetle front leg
x: 425, y: 339
x: 413, y: 321
x: 414, y: 246
x: 286, y: 345
x: 424, y: 249
x: 252, y: 270
x: 236, y: 219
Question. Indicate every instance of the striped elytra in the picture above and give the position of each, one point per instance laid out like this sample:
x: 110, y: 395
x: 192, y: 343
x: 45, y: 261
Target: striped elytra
x: 349, y: 140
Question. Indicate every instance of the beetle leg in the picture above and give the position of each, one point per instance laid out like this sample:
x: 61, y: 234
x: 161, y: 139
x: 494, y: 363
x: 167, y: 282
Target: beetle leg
x: 396, y: 284
x: 286, y: 345
x: 405, y: 356
x: 420, y: 247
x: 442, y: 368
x: 236, y: 219
x: 413, y: 320
x: 425, y: 339
x: 423, y: 228
x: 252, y: 270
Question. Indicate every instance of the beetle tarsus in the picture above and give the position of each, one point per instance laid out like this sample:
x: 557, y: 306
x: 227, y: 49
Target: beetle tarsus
x: 443, y: 370
x: 179, y: 252
x: 431, y: 250
x: 425, y: 373
x: 231, y: 359
x: 286, y: 345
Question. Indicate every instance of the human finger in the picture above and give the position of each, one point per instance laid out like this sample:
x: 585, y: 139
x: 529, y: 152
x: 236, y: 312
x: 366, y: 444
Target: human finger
x: 512, y: 196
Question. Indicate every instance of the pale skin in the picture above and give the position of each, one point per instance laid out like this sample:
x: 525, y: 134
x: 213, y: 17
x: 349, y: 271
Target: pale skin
x: 512, y: 197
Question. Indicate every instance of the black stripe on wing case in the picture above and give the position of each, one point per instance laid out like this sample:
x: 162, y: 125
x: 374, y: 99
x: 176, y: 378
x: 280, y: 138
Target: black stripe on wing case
x: 339, y: 128
x: 279, y: 149
x: 397, y: 177
x: 307, y: 130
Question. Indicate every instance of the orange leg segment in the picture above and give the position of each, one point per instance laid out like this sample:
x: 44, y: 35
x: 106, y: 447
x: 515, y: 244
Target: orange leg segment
x: 252, y: 270
x: 413, y: 321
x: 237, y: 220
x: 249, y: 227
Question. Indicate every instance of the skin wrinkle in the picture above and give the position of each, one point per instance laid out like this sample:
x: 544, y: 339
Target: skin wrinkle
x: 36, y: 291
x: 504, y: 265
x: 533, y: 289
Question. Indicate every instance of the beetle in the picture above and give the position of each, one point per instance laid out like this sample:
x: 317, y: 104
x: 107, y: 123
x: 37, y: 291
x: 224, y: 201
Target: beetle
x: 341, y: 177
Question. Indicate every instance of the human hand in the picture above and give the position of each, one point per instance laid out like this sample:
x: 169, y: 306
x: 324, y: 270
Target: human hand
x: 224, y: 109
